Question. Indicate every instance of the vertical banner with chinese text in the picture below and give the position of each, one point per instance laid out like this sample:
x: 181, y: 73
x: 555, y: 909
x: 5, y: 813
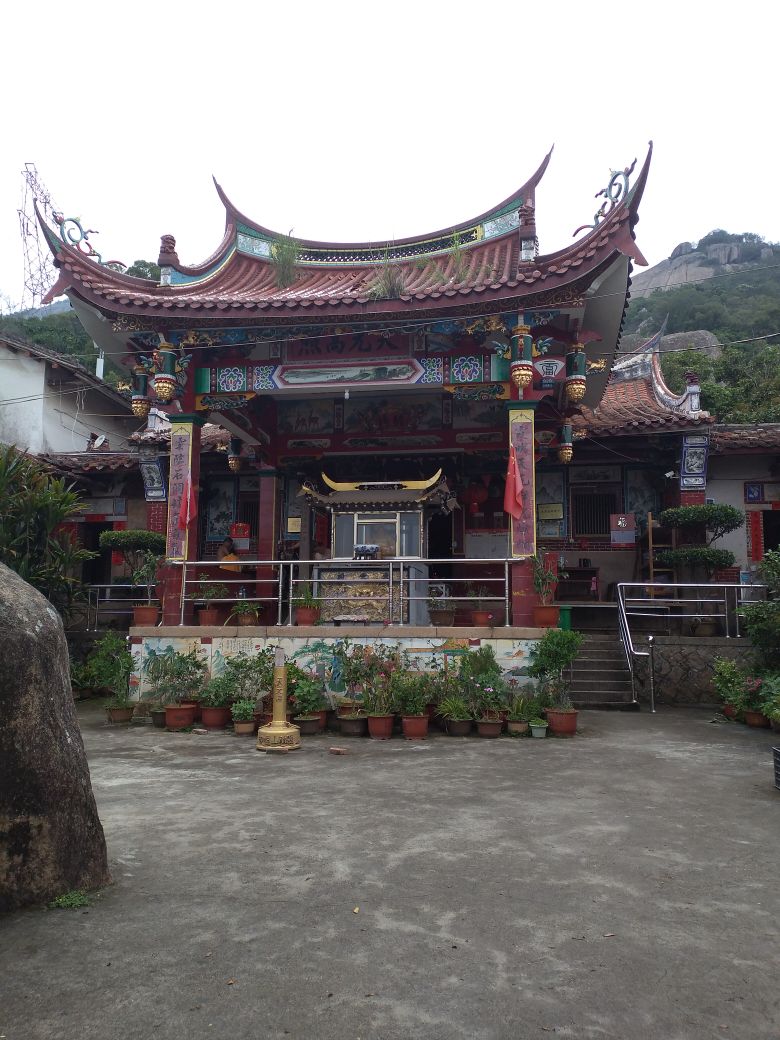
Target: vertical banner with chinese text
x: 179, y: 484
x: 523, y: 518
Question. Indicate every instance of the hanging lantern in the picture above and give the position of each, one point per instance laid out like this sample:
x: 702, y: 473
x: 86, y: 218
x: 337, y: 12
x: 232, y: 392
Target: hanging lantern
x: 165, y: 383
x: 234, y: 455
x: 474, y: 495
x: 566, y: 451
x: 576, y: 382
x: 521, y: 374
x: 164, y: 387
x: 521, y: 371
x: 140, y: 402
x: 140, y: 406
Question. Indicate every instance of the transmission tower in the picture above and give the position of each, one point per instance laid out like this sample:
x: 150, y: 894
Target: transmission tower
x: 39, y: 273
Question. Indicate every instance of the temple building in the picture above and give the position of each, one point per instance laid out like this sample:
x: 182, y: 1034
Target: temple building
x: 411, y: 405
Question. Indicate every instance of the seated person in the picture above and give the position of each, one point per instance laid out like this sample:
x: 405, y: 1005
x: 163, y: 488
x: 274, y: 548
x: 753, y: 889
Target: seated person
x: 227, y: 553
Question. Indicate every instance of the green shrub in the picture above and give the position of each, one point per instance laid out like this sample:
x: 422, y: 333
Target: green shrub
x: 693, y: 556
x: 717, y: 519
x: 243, y: 711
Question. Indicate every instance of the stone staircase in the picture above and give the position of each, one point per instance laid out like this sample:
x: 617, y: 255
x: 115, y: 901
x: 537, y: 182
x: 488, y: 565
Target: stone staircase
x: 600, y: 675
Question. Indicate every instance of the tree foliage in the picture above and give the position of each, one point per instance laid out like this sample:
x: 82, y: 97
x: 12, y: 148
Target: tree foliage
x: 32, y: 543
x: 144, y: 269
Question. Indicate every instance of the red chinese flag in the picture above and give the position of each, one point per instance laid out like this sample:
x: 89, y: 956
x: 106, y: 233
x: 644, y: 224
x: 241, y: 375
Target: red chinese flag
x: 189, y: 505
x: 513, y: 491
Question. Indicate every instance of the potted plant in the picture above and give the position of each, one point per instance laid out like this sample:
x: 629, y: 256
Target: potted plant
x: 215, y: 700
x: 307, y: 605
x: 310, y: 702
x: 701, y: 525
x: 378, y: 704
x: 208, y: 592
x: 538, y: 727
x: 518, y: 716
x: 411, y: 696
x: 441, y: 610
x: 243, y: 712
x: 175, y: 679
x: 455, y: 710
x: 111, y: 665
x: 141, y: 551
x: 245, y: 613
x: 480, y: 611
x: 551, y: 661
x: 488, y: 694
x: 753, y: 702
x: 728, y: 681
x: 545, y: 580
x: 770, y: 704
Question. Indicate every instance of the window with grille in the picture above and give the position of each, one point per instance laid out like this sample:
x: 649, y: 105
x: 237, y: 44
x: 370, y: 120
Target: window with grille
x: 591, y: 509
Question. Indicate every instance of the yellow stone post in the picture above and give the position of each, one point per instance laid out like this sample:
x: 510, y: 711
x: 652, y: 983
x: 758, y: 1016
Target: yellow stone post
x: 279, y: 734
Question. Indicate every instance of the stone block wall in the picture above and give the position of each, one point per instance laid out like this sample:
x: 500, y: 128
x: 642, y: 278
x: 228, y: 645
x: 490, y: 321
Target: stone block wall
x: 684, y: 665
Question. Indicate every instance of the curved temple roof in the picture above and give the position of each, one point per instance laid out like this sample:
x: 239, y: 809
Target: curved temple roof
x: 474, y: 262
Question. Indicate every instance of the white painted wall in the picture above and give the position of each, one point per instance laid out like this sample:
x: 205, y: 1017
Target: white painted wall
x: 21, y: 423
x: 54, y: 418
x: 726, y: 486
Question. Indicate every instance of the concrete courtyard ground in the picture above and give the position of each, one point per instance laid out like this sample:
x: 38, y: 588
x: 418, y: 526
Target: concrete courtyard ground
x: 623, y: 885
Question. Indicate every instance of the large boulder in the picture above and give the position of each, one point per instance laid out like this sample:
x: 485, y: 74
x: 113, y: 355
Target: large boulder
x: 51, y: 838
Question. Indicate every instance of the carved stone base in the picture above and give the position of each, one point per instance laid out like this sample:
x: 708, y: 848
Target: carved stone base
x: 278, y: 735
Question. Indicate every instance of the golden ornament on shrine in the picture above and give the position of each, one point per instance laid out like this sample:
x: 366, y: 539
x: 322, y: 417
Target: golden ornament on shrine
x: 164, y: 387
x: 565, y: 453
x: 521, y: 376
x: 279, y: 734
x: 575, y: 390
x: 234, y: 463
x: 140, y: 407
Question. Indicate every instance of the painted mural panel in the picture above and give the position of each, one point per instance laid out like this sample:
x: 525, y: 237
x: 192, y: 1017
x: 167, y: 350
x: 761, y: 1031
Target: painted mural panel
x: 386, y: 414
x: 478, y: 415
x: 642, y: 496
x: 550, y: 498
x: 305, y: 417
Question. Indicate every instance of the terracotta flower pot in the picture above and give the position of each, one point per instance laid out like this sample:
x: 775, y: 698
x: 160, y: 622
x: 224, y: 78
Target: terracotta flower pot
x: 354, y: 726
x: 516, y: 726
x: 244, y: 729
x: 729, y: 711
x: 119, y: 714
x: 215, y: 718
x: 562, y: 723
x: 208, y: 616
x: 481, y: 618
x: 415, y: 727
x: 309, y: 725
x: 380, y: 727
x: 244, y: 620
x: 756, y: 719
x: 179, y: 716
x: 145, y: 615
x: 307, y: 615
x: 197, y: 711
x: 458, y: 727
x: 323, y: 716
x: 489, y: 727
x: 546, y: 617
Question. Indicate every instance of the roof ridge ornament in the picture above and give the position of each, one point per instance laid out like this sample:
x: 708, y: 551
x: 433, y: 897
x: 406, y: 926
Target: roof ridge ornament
x: 615, y: 192
x: 73, y: 234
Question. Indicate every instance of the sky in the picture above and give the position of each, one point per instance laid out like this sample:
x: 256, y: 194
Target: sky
x: 372, y: 121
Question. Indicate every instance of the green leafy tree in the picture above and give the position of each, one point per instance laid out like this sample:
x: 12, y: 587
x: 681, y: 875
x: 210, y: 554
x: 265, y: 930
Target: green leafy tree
x: 34, y: 506
x: 144, y: 269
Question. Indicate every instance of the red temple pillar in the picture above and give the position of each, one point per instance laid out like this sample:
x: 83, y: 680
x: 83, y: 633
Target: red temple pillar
x: 182, y: 528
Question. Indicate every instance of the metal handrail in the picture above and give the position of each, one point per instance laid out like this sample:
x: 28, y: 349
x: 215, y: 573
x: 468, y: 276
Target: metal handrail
x: 661, y: 604
x: 398, y: 580
x: 94, y: 601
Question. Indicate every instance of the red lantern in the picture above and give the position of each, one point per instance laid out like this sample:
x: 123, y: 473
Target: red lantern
x: 474, y: 495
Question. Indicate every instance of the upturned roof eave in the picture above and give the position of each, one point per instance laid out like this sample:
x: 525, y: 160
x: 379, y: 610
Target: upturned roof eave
x: 234, y: 215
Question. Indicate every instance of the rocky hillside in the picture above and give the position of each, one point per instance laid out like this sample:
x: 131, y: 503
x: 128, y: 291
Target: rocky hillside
x: 717, y: 253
